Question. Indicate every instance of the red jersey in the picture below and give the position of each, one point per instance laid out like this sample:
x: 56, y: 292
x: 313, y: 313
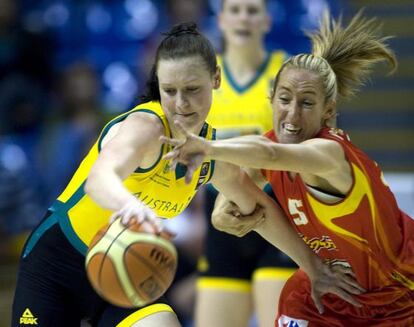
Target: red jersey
x: 365, y: 229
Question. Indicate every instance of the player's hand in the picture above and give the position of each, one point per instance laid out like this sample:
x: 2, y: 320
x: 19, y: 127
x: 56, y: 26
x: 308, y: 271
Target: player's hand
x: 190, y: 151
x: 136, y: 212
x: 227, y: 218
x: 335, y: 279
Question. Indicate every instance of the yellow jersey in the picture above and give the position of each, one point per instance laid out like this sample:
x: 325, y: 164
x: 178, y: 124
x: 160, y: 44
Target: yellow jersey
x: 162, y: 190
x: 241, y: 110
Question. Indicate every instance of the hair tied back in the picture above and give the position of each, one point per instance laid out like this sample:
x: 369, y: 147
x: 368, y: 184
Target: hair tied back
x: 181, y: 29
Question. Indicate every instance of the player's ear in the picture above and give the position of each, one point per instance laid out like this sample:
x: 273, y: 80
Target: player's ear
x: 329, y: 116
x: 217, y: 78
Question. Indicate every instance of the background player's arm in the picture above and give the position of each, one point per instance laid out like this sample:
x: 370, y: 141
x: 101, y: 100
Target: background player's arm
x: 127, y: 146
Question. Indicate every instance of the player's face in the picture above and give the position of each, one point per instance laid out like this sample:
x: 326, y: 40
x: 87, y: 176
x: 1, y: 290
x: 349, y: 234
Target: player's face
x: 186, y: 90
x: 299, y: 106
x: 244, y: 22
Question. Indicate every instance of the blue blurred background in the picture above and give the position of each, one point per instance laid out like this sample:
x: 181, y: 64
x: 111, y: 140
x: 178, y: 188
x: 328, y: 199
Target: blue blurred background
x: 67, y: 66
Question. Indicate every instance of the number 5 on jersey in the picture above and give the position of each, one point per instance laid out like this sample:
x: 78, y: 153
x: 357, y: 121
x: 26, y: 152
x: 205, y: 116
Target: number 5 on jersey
x: 299, y: 216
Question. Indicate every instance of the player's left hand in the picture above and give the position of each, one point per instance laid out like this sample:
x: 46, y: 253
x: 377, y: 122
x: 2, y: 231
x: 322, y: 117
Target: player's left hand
x: 335, y: 279
x: 190, y: 151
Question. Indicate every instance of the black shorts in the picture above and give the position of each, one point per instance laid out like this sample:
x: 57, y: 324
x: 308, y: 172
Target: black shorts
x: 53, y: 288
x: 228, y: 256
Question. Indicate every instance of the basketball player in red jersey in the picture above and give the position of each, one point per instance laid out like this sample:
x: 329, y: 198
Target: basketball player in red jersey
x: 332, y: 193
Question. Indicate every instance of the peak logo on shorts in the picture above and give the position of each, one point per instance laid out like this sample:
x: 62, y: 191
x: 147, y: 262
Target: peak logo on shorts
x: 286, y: 321
x: 27, y: 318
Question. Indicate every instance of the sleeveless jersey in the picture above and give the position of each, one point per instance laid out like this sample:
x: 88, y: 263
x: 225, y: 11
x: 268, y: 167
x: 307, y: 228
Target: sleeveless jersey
x: 241, y: 110
x: 365, y: 230
x: 162, y: 190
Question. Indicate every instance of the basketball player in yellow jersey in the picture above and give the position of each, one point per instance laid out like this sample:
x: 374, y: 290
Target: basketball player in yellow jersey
x: 241, y: 274
x: 124, y: 173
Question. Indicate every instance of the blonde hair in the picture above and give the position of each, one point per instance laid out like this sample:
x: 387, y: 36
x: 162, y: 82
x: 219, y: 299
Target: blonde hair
x: 343, y: 56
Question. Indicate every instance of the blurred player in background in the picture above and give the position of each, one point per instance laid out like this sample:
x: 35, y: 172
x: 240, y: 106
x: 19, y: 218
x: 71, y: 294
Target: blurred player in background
x: 241, y: 274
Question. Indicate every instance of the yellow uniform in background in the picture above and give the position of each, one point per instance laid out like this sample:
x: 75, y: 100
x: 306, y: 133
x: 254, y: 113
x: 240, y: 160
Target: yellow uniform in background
x: 245, y: 109
x: 229, y: 262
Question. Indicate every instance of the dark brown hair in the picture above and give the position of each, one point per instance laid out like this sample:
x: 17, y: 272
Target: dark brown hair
x: 182, y: 41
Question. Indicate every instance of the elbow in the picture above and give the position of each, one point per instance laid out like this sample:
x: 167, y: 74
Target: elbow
x: 219, y: 220
x: 216, y: 221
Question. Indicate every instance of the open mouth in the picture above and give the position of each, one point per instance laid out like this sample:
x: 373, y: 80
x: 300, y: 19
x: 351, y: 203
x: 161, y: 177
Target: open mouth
x: 185, y: 115
x: 291, y: 129
x: 244, y: 33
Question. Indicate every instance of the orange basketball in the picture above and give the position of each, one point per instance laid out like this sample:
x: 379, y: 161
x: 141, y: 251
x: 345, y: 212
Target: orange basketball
x: 130, y: 266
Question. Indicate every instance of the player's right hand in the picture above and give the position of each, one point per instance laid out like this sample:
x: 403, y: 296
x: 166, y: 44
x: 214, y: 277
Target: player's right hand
x: 134, y: 211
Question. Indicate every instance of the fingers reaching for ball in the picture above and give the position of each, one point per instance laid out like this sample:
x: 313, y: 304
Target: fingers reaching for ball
x: 136, y: 212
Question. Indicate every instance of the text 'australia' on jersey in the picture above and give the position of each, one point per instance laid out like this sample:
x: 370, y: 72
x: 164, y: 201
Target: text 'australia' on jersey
x: 161, y: 189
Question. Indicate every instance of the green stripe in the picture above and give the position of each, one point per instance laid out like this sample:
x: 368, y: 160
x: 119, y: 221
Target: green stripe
x: 213, y: 162
x: 239, y: 88
x: 166, y: 128
x: 123, y: 117
x: 61, y: 210
x: 38, y: 233
x: 108, y: 127
x: 73, y: 238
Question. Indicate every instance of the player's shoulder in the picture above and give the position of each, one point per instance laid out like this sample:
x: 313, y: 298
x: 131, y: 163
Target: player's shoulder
x: 333, y: 133
x: 143, y: 122
x: 279, y: 53
x: 330, y: 140
x: 151, y: 113
x: 277, y: 58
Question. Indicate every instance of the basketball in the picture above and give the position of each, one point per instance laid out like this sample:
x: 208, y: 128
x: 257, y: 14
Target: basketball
x: 130, y: 266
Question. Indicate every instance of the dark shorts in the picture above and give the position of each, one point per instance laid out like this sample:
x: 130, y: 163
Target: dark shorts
x: 228, y: 256
x: 53, y: 288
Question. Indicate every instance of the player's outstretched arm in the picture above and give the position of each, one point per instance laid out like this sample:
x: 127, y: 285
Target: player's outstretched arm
x: 124, y: 149
x: 320, y: 157
x: 272, y: 225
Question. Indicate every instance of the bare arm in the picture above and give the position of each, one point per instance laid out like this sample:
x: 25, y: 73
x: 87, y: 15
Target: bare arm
x: 256, y: 176
x: 127, y: 147
x: 276, y: 229
x: 238, y: 188
x: 315, y: 157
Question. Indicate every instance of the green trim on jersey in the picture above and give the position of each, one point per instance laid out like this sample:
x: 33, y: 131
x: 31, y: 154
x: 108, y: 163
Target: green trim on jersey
x: 241, y: 89
x: 80, y: 217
